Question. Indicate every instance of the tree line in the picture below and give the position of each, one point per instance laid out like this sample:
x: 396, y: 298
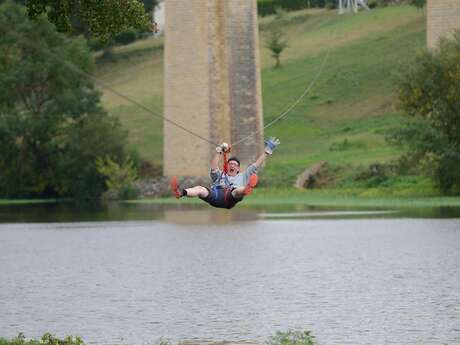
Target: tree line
x: 429, y: 94
x: 54, y: 133
x: 57, y: 140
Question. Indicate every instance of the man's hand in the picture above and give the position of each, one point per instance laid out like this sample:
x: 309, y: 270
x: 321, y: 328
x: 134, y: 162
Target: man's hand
x: 224, y: 147
x: 271, y: 144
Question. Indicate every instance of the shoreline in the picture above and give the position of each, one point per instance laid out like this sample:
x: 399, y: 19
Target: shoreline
x: 269, y: 197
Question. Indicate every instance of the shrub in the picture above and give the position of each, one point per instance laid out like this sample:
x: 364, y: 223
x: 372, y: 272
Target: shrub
x: 429, y: 92
x: 128, y: 192
x: 46, y: 339
x: 418, y: 3
x: 372, y: 3
x: 292, y: 338
x: 267, y: 7
x: 126, y: 37
x: 119, y: 177
x: 374, y: 175
x: 276, y: 43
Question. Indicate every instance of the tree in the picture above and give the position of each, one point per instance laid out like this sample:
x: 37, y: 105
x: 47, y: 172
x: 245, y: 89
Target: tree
x: 418, y: 3
x: 150, y: 5
x: 276, y: 43
x: 119, y: 177
x: 429, y: 92
x: 52, y: 125
x: 103, y: 18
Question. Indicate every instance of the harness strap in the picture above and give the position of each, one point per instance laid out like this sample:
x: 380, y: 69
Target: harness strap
x: 224, y: 176
x: 225, y: 168
x: 225, y: 163
x: 222, y: 192
x: 226, y: 192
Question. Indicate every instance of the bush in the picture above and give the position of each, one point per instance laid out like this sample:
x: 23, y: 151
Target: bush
x: 128, y: 192
x: 371, y: 176
x: 292, y: 338
x: 46, y: 339
x: 372, y: 3
x: 429, y: 92
x: 119, y: 177
x: 418, y: 3
x: 95, y: 44
x: 276, y: 43
x: 374, y: 175
x: 126, y: 37
x: 267, y: 7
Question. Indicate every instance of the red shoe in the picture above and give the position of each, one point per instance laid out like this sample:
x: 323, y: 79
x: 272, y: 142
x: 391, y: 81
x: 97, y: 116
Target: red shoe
x: 251, y: 184
x: 175, y: 187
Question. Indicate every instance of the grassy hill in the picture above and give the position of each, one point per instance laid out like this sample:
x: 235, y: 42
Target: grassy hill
x: 344, y: 117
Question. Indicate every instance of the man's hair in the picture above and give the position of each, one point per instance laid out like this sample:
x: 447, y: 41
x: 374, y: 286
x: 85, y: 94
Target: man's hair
x: 234, y: 159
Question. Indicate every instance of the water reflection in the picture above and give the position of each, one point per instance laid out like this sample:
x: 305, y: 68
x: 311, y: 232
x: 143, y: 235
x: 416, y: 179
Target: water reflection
x: 198, y: 214
x: 335, y: 214
x: 202, y: 216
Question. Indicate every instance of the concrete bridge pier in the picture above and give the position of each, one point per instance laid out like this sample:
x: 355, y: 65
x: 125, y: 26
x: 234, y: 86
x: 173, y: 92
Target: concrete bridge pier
x: 443, y: 18
x: 212, y: 82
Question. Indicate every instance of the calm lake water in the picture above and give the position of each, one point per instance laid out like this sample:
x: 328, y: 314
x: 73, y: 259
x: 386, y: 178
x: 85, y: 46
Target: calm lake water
x: 130, y: 274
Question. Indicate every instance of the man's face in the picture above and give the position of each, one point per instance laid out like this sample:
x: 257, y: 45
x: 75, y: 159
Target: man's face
x: 233, y: 168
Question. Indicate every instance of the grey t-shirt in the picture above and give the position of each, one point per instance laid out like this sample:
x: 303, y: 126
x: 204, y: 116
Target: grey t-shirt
x: 239, y: 180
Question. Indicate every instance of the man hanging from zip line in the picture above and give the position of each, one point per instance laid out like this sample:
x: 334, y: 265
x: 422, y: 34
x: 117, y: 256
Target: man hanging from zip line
x: 230, y: 185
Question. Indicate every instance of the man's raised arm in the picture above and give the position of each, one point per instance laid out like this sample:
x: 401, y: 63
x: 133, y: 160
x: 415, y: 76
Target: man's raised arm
x: 215, y: 160
x: 270, y: 146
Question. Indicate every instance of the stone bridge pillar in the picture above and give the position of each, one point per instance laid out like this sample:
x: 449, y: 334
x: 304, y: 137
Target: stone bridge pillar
x: 443, y: 18
x: 212, y: 82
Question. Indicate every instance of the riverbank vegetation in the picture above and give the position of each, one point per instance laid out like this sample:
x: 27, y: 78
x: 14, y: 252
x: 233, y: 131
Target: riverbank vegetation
x: 290, y: 337
x: 52, y: 125
x: 429, y: 92
x: 46, y: 339
x: 345, y: 120
x: 354, y: 198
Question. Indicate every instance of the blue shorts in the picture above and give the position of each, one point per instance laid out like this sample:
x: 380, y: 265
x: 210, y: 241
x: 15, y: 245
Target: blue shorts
x: 221, y: 198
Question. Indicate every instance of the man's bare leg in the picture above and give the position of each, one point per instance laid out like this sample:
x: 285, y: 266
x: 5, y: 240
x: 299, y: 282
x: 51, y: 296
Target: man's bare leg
x: 200, y: 191
x: 238, y: 193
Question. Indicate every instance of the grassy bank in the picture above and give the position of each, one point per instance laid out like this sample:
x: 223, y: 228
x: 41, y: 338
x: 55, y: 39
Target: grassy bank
x: 346, y: 197
x: 28, y: 201
x: 330, y: 198
x: 353, y: 101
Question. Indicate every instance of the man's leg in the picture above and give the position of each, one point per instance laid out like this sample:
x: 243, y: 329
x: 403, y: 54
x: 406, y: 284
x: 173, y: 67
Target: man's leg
x: 178, y: 192
x: 240, y: 192
x: 199, y: 191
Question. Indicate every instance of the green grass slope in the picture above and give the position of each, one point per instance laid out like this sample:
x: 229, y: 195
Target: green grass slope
x: 343, y: 118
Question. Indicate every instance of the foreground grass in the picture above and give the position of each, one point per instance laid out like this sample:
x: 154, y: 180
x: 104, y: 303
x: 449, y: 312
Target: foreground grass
x: 353, y: 99
x: 290, y: 337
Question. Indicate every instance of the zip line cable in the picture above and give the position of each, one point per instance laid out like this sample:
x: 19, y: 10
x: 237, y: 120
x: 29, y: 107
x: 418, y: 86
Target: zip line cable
x: 292, y: 106
x: 104, y: 85
x: 108, y: 87
x: 297, y: 101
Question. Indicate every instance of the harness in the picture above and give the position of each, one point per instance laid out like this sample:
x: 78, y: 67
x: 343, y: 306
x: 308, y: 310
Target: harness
x: 227, y: 186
